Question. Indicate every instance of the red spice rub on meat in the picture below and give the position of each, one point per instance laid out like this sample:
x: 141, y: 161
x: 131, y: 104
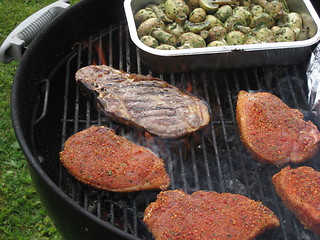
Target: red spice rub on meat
x: 207, y: 215
x: 299, y: 189
x: 273, y: 132
x: 102, y: 159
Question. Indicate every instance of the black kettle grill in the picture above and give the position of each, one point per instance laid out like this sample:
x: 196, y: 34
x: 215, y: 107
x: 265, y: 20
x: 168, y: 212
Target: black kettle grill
x: 47, y: 107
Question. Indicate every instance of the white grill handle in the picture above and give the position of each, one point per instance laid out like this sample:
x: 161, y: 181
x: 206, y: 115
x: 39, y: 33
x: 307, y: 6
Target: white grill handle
x: 12, y: 48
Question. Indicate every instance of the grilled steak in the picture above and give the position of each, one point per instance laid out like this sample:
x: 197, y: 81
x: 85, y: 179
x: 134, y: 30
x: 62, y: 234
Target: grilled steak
x: 299, y: 189
x: 144, y: 101
x: 272, y: 131
x: 207, y: 215
x: 102, y: 159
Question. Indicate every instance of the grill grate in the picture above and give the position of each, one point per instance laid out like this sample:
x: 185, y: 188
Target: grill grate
x: 210, y: 159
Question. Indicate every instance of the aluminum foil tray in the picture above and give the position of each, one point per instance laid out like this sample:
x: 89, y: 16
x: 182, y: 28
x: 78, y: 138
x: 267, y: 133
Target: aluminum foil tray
x: 231, y: 56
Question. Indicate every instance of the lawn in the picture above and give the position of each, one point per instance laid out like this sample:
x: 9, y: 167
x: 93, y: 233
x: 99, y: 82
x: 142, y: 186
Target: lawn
x: 21, y: 213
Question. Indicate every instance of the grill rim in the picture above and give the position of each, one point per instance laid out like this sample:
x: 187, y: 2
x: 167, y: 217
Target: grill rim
x: 31, y: 70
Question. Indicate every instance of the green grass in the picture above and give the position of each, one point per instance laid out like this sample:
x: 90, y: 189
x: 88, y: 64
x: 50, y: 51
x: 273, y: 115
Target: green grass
x: 21, y: 214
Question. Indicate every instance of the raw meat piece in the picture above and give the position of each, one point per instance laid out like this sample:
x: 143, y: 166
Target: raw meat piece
x: 102, y: 159
x: 299, y: 189
x: 273, y: 132
x: 207, y: 215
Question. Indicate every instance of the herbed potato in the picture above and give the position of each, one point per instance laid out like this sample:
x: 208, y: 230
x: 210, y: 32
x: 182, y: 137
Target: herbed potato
x: 200, y: 23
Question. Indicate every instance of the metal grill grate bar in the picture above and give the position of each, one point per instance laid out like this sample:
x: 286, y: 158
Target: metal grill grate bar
x: 211, y: 159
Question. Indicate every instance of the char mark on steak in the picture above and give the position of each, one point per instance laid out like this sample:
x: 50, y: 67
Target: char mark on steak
x: 145, y: 102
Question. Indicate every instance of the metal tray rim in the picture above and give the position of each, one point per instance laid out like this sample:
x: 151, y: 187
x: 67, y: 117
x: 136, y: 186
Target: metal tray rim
x: 222, y: 49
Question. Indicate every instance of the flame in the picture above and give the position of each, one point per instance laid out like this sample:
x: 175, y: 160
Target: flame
x: 144, y: 138
x: 148, y: 135
x: 149, y: 139
x: 101, y: 55
x: 189, y: 84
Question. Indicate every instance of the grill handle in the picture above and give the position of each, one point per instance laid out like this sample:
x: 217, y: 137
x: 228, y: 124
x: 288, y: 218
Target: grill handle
x: 17, y: 41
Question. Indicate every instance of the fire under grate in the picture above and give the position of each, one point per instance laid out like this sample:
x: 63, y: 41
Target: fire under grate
x: 210, y: 159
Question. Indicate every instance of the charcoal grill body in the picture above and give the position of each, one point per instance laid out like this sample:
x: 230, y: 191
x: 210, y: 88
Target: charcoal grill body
x: 41, y: 57
x: 38, y: 137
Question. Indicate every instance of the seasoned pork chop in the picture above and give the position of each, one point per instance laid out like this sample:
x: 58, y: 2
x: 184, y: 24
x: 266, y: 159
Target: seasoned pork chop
x: 272, y: 131
x: 144, y: 101
x: 207, y: 216
x: 299, y: 189
x: 102, y: 159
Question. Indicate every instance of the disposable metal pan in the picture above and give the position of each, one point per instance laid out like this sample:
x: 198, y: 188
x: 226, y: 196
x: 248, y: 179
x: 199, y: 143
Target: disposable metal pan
x: 231, y: 56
